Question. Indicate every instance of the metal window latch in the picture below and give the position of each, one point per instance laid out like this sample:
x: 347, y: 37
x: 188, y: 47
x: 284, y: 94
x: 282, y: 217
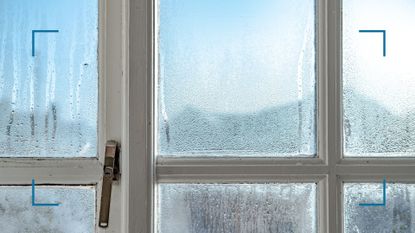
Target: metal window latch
x: 111, y: 173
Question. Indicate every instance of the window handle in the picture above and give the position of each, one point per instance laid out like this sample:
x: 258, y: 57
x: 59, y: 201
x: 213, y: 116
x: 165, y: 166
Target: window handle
x: 111, y: 173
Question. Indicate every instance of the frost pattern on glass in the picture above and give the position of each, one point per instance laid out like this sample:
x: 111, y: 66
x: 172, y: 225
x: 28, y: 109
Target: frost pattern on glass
x: 76, y: 213
x: 237, y: 208
x: 236, y: 77
x: 397, y: 217
x: 379, y: 92
x: 48, y: 103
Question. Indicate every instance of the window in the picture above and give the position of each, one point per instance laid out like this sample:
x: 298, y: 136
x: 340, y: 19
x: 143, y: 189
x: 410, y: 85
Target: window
x: 237, y: 208
x: 377, y: 123
x: 378, y: 109
x: 234, y: 116
x: 76, y: 214
x: 241, y: 103
x: 59, y: 85
x: 396, y: 216
x: 49, y: 87
x: 224, y: 101
x: 220, y: 74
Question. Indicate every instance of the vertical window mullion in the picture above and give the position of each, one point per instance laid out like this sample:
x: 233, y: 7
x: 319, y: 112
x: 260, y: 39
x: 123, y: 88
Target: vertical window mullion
x: 322, y: 118
x: 138, y: 160
x: 334, y: 113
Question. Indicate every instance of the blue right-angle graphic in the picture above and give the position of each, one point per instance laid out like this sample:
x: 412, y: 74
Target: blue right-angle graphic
x: 33, y: 198
x: 384, y: 37
x: 34, y: 37
x: 384, y: 197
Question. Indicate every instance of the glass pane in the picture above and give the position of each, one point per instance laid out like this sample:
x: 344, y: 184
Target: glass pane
x: 237, y: 208
x: 397, y: 216
x: 236, y: 78
x: 76, y: 212
x: 48, y: 102
x: 379, y: 91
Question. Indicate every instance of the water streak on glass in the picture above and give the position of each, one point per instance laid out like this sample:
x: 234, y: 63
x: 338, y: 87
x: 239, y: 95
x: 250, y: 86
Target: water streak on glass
x: 237, y: 208
x: 378, y: 91
x: 236, y: 78
x: 48, y: 103
x: 75, y: 214
x: 397, y: 216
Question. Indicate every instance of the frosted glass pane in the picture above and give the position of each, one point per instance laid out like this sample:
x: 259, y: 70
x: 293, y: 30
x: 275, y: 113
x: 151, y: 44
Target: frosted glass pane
x: 48, y: 102
x: 237, y: 208
x: 397, y: 217
x: 76, y: 213
x: 379, y: 91
x: 236, y: 78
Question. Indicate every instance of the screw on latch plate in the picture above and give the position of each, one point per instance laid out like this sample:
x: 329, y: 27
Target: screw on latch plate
x: 111, y: 173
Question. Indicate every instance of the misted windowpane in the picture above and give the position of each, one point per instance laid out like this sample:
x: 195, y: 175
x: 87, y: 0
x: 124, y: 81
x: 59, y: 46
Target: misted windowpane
x: 236, y: 78
x: 397, y: 216
x: 378, y: 84
x: 237, y: 208
x: 75, y: 214
x: 48, y: 96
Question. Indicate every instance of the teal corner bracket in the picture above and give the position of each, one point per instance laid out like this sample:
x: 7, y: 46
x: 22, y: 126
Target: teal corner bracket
x: 384, y: 197
x: 34, y: 197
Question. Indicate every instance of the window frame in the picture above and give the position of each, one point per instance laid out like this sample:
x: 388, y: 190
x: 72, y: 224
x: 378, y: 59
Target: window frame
x: 330, y: 169
x: 87, y: 170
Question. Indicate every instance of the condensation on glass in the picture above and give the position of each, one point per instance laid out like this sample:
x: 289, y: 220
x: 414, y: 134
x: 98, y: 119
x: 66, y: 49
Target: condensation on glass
x: 397, y: 216
x: 379, y: 91
x: 48, y: 102
x: 236, y: 78
x: 237, y: 208
x: 76, y: 212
